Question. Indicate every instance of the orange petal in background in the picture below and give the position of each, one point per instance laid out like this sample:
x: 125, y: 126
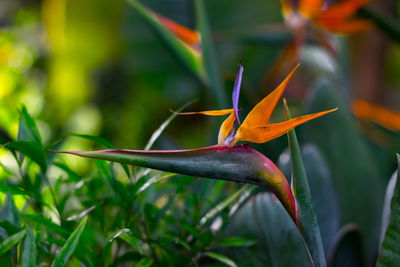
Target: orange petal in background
x: 188, y: 36
x: 343, y: 26
x: 343, y: 9
x: 265, y: 133
x: 309, y: 8
x: 377, y: 114
x: 261, y: 113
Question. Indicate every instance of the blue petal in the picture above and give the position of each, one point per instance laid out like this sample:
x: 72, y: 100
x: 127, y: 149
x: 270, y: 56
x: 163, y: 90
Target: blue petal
x: 236, y: 92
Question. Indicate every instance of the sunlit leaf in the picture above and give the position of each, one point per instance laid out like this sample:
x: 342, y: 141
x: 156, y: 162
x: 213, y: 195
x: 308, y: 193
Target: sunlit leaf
x: 31, y: 150
x: 27, y: 130
x: 221, y: 258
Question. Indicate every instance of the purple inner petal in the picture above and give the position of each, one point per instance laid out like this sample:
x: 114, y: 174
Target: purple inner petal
x: 236, y: 92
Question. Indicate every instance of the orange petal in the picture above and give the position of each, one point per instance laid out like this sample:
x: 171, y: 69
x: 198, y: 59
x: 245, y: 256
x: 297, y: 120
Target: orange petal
x: 208, y: 112
x: 377, y: 114
x: 344, y: 27
x: 309, y: 8
x: 265, y: 133
x: 261, y: 113
x: 286, y: 7
x: 343, y: 9
x: 188, y: 36
x: 225, y: 129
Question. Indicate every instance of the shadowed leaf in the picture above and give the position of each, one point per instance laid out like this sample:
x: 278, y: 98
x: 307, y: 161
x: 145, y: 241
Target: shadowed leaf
x: 390, y: 254
x: 68, y: 249
x: 11, y: 241
x: 29, y: 254
x: 308, y: 224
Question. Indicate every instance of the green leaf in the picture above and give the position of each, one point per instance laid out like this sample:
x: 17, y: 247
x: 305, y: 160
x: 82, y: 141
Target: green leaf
x: 390, y: 254
x: 322, y: 191
x: 350, y: 162
x: 31, y: 150
x: 97, y: 139
x: 71, y: 174
x: 307, y: 219
x: 185, y: 54
x: 27, y: 130
x: 11, y: 241
x: 156, y: 134
x: 70, y: 245
x: 347, y: 248
x: 105, y: 257
x: 218, y: 208
x: 145, y: 262
x: 48, y: 224
x: 239, y: 164
x: 235, y: 241
x: 101, y: 141
x: 9, y: 211
x: 13, y: 189
x: 278, y: 242
x: 220, y: 258
x: 209, y: 56
x: 29, y: 254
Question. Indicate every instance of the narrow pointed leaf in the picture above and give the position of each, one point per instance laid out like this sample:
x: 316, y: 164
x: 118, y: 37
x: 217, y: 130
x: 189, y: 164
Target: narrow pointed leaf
x: 209, y: 56
x: 187, y: 55
x: 69, y: 247
x: 390, y: 254
x: 164, y: 125
x: 27, y: 130
x: 221, y: 258
x: 31, y: 150
x: 29, y: 254
x: 308, y: 224
x: 11, y: 241
x: 218, y: 208
x: 239, y: 164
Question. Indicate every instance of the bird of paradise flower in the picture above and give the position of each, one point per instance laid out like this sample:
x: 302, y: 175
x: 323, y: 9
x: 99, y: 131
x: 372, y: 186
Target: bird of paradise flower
x: 226, y: 161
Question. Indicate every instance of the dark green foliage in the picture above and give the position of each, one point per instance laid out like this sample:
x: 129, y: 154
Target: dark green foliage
x: 350, y: 163
x: 308, y: 224
x: 389, y: 252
